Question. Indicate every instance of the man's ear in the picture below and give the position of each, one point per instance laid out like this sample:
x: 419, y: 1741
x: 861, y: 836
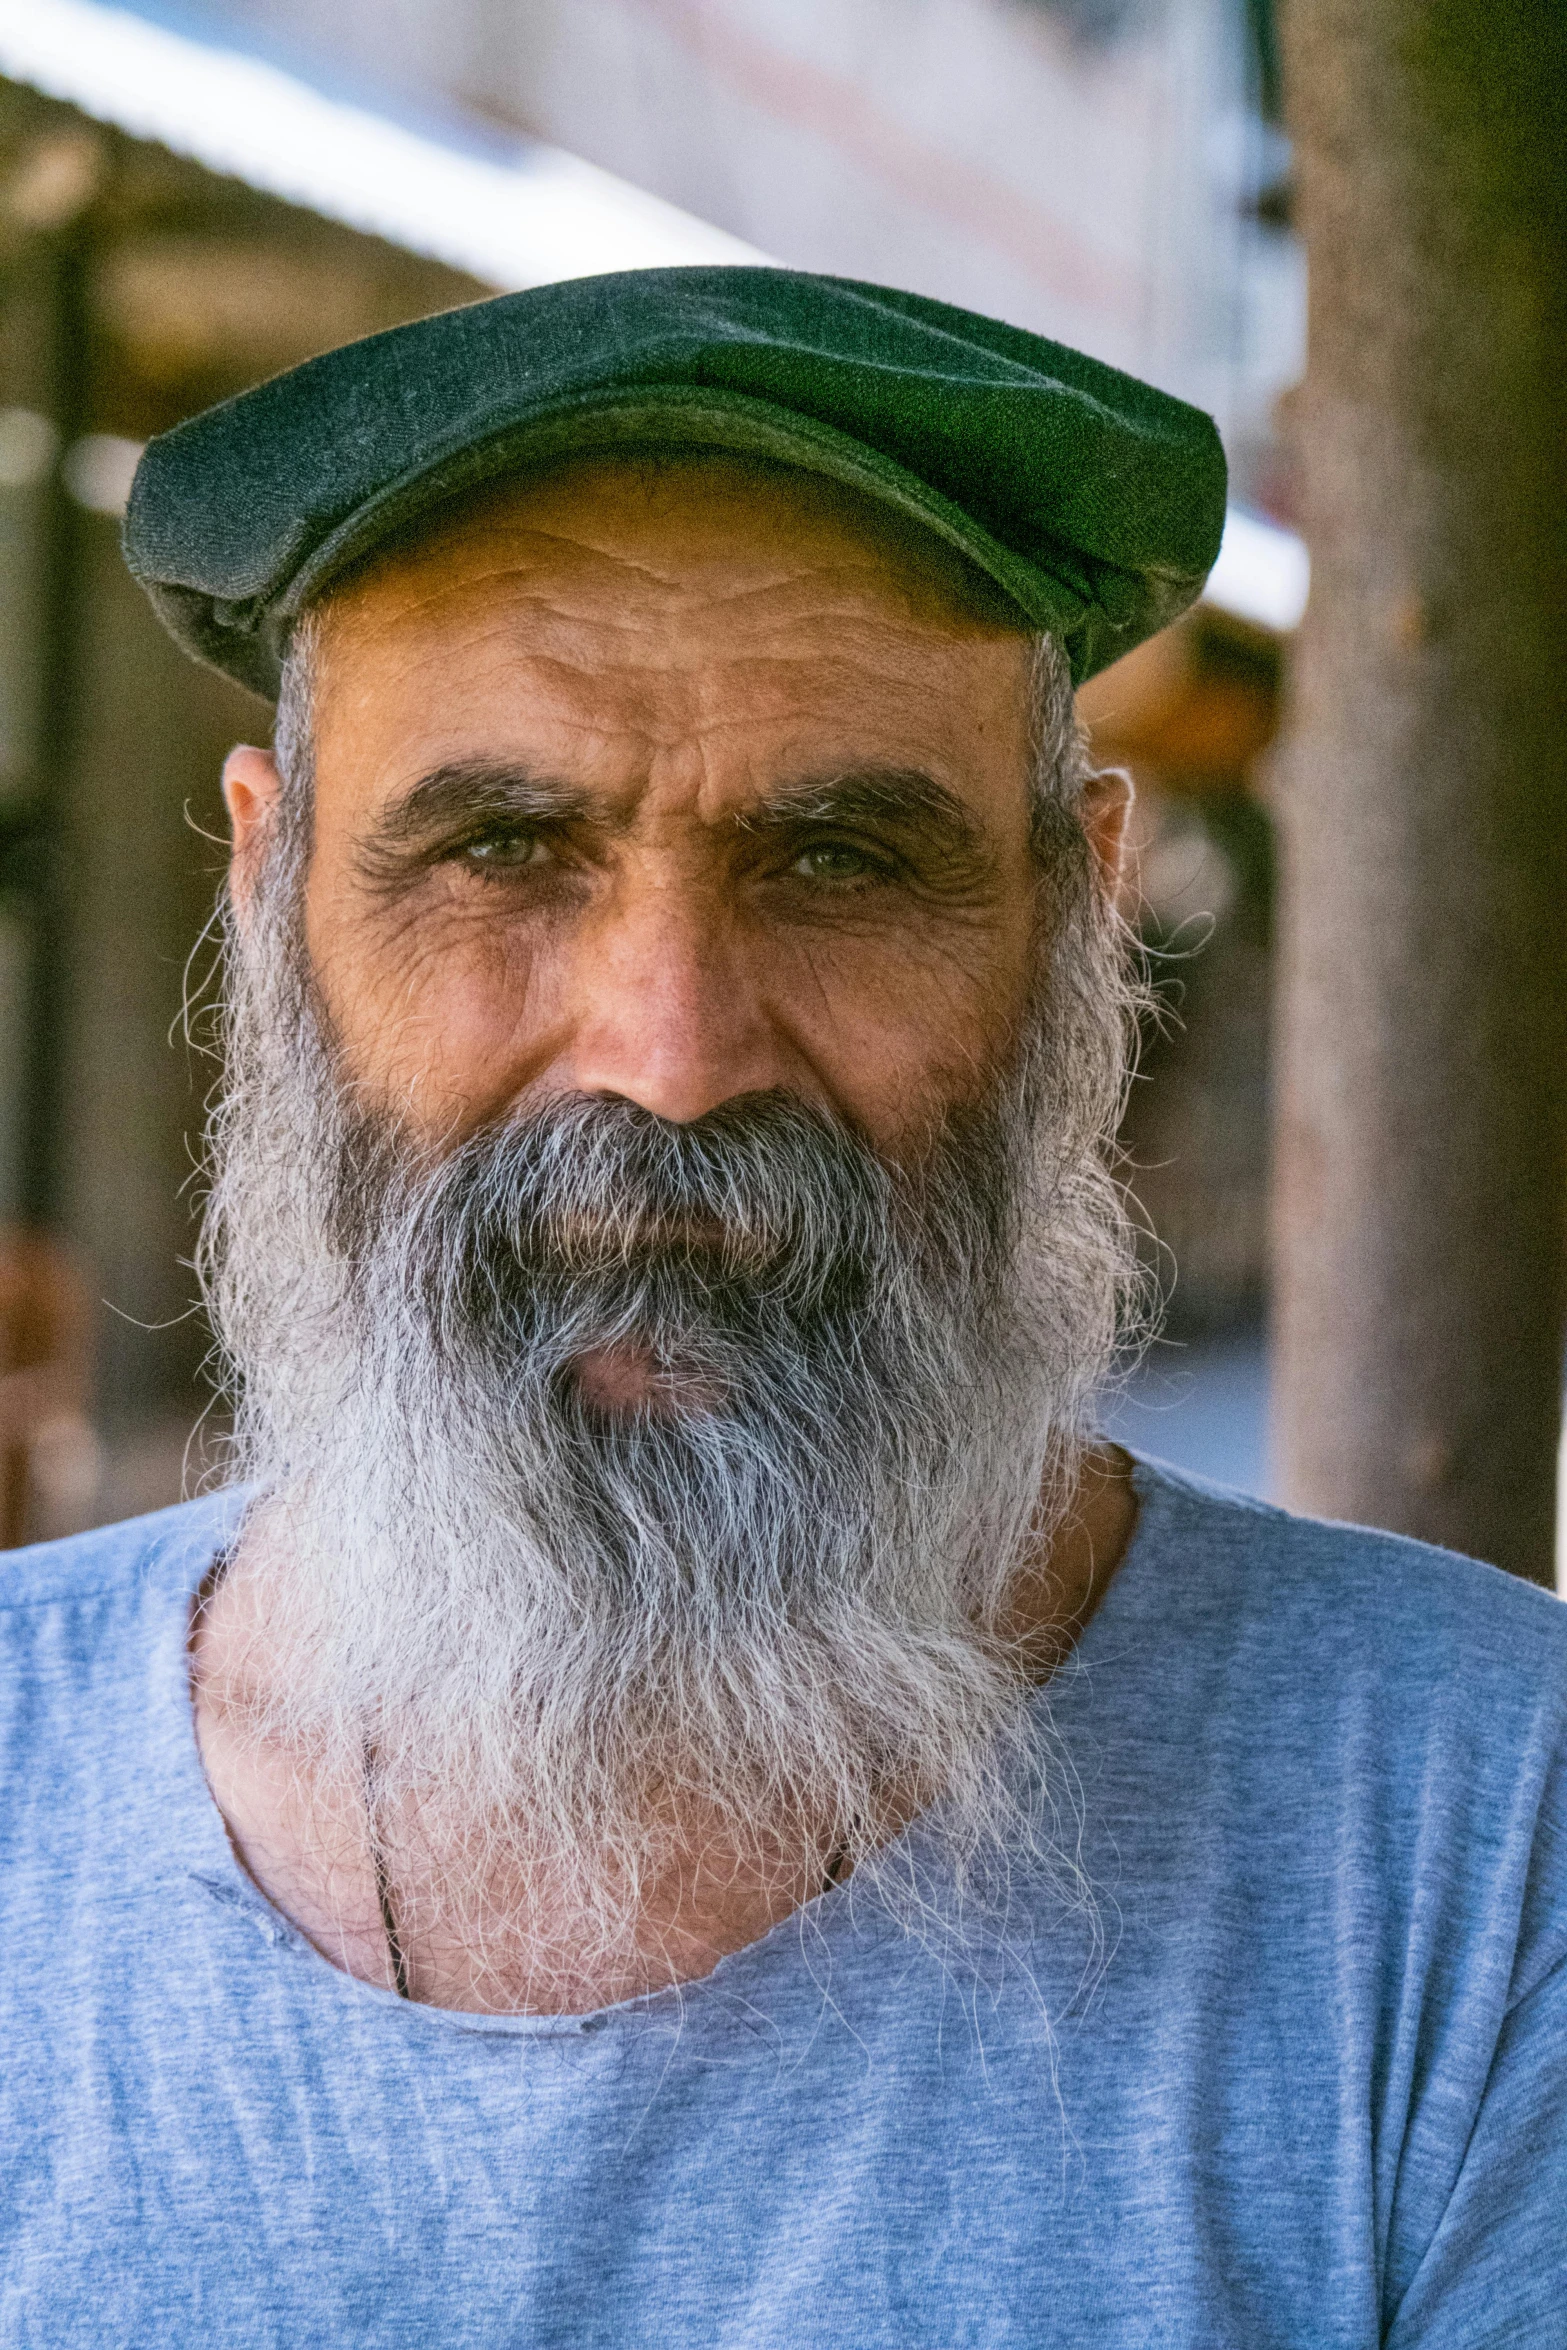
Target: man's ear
x: 1105, y: 813
x: 252, y: 788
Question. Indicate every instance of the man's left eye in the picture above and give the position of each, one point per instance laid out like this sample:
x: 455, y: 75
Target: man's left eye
x: 834, y: 860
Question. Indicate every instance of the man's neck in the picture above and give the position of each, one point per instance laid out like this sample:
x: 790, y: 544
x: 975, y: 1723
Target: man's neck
x: 391, y: 1907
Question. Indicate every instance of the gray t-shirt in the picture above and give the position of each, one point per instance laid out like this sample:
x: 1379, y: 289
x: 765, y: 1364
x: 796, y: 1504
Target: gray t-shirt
x: 1315, y: 2094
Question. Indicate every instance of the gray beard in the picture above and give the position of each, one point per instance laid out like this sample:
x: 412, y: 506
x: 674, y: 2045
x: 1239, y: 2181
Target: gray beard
x: 774, y: 1606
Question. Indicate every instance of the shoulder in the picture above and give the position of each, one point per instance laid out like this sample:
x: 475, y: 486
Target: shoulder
x: 93, y: 1632
x: 1369, y: 1703
x: 98, y: 1765
x: 1348, y: 1592
x: 59, y: 1599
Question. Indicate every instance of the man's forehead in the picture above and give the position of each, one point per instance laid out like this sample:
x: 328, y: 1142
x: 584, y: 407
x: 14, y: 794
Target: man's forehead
x: 670, y: 530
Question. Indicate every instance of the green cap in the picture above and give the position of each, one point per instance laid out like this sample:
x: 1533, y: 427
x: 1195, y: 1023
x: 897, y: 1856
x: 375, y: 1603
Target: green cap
x: 1095, y: 502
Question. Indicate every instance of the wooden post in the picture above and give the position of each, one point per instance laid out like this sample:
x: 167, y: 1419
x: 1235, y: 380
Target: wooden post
x: 1421, y: 1175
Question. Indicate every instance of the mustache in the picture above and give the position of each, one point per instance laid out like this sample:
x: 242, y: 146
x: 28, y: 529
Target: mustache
x: 754, y: 1260
x: 767, y: 1195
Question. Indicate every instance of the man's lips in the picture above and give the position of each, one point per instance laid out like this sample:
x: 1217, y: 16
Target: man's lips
x: 620, y: 1378
x: 628, y: 1377
x: 616, y: 1239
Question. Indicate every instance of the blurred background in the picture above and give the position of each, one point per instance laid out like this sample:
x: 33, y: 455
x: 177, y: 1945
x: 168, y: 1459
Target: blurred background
x: 191, y: 200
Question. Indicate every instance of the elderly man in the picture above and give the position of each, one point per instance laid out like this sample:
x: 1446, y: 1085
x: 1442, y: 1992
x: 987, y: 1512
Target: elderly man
x: 682, y: 1797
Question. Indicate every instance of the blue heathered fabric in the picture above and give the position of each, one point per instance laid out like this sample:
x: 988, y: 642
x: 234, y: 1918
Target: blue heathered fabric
x: 1315, y: 2095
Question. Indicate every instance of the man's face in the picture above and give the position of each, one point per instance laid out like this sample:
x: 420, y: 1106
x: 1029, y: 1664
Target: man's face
x: 663, y: 1349
x: 674, y: 782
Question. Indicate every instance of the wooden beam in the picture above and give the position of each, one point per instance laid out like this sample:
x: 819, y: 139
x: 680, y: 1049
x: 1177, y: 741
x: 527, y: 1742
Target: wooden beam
x: 1420, y: 1206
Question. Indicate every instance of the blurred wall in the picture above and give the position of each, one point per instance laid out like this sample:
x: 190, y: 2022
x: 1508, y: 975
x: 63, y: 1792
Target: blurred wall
x: 142, y: 815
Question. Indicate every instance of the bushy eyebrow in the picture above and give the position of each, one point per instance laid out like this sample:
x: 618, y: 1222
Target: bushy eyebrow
x: 479, y: 791
x: 899, y: 799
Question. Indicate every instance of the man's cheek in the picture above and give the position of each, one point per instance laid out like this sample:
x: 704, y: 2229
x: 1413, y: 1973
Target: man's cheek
x: 928, y: 996
x: 448, y: 1022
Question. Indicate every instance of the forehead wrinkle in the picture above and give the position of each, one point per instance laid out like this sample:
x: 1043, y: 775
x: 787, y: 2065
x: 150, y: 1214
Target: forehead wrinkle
x: 864, y: 658
x: 466, y: 562
x: 360, y: 615
x: 860, y: 595
x: 784, y: 598
x: 461, y: 571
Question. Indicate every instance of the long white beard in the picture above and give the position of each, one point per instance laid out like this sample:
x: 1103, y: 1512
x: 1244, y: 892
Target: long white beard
x: 773, y: 1608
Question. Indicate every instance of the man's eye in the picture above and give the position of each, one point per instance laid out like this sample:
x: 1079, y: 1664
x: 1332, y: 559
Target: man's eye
x: 504, y: 850
x: 834, y: 860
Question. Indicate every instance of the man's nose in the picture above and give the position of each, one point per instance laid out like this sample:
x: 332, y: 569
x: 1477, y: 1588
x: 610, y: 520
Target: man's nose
x: 670, y: 1013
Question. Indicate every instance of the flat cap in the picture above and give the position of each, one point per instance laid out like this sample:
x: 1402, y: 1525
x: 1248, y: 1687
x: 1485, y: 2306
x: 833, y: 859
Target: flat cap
x: 1094, y: 501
